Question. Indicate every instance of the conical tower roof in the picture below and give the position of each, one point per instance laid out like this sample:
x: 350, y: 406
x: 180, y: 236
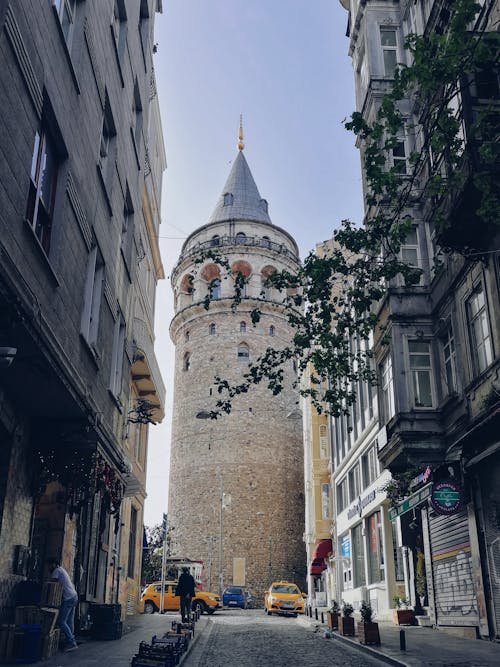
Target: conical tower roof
x: 240, y: 198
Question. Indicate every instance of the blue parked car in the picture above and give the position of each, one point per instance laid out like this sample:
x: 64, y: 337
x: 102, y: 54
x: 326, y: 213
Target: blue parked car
x: 234, y: 596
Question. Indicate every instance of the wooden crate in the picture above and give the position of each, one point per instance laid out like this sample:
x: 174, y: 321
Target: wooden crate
x: 50, y: 645
x: 51, y: 594
x: 27, y: 614
x: 47, y: 617
x: 7, y: 642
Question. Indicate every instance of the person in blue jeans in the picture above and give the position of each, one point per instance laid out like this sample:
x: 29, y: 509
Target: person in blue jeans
x: 68, y: 604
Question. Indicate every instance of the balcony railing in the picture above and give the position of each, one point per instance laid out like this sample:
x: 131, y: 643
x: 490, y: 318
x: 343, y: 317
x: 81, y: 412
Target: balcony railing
x: 247, y: 241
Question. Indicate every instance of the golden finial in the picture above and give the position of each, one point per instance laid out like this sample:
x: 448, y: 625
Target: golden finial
x: 241, y: 145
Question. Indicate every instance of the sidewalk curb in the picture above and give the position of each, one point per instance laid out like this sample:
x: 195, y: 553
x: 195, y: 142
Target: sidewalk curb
x: 203, y: 622
x: 362, y: 648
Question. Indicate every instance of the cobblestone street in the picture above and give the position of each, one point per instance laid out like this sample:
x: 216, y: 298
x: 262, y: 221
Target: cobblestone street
x: 251, y: 639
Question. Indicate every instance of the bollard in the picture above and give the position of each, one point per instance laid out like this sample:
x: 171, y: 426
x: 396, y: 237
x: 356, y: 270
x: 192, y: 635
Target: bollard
x: 316, y: 613
x: 322, y: 618
x: 402, y: 640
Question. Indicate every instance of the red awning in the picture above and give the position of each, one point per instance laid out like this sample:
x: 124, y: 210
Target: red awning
x: 316, y: 570
x: 322, y: 550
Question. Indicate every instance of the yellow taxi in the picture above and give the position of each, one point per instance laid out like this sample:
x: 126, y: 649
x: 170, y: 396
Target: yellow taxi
x: 150, y: 599
x: 284, y: 597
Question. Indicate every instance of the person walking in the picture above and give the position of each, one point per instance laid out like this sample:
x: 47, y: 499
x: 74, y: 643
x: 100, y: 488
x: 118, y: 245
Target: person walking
x: 186, y: 589
x: 68, y: 604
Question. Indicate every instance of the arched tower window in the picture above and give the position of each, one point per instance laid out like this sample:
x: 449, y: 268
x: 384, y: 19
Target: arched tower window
x: 271, y: 330
x: 215, y: 288
x: 215, y: 240
x: 187, y: 284
x: 241, y: 271
x: 240, y: 238
x: 228, y: 199
x: 186, y: 335
x: 265, y: 242
x: 243, y: 352
x: 243, y: 327
x: 211, y: 329
x: 266, y: 291
x: 187, y: 361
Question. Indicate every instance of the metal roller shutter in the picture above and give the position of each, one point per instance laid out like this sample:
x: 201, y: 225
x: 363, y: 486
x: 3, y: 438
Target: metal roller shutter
x: 454, y: 592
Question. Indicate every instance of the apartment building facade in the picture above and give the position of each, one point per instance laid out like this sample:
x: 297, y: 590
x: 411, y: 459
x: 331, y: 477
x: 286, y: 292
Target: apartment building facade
x: 80, y: 186
x: 438, y: 360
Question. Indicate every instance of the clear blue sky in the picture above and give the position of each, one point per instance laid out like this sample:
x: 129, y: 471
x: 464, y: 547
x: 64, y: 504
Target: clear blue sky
x: 283, y: 64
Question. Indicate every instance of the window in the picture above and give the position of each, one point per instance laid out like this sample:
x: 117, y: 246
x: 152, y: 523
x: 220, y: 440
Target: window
x: 94, y: 286
x: 228, y: 199
x: 354, y: 483
x: 265, y: 242
x: 132, y: 539
x: 211, y: 329
x: 477, y: 314
x: 358, y: 556
x: 410, y: 253
x: 345, y: 546
x: 387, y: 389
x: 42, y: 192
x: 375, y: 549
x: 66, y: 11
x: 240, y: 238
x: 117, y: 357
x: 136, y: 127
x: 449, y: 360
x: 398, y: 554
x: 271, y: 330
x: 369, y: 465
x: 420, y: 372
x: 243, y: 352
x: 323, y: 442
x: 144, y: 27
x: 187, y: 361
x: 215, y: 289
x: 120, y: 27
x: 389, y: 44
x: 399, y: 157
x: 215, y: 240
x: 107, y: 145
x: 325, y: 501
x: 243, y: 327
x: 127, y: 244
x: 186, y: 335
x: 342, y: 495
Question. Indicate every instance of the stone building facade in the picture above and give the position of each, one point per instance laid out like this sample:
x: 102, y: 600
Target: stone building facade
x: 81, y: 163
x: 438, y: 391
x: 236, y: 483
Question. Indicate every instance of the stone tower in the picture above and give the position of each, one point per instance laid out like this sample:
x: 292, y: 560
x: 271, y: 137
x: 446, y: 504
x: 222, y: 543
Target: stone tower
x: 236, y: 483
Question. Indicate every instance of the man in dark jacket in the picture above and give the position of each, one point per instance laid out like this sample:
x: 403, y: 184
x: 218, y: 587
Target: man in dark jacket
x: 186, y: 590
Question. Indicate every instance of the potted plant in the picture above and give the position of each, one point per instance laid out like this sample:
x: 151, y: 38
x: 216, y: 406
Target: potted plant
x: 346, y: 620
x: 368, y: 631
x: 403, y: 614
x: 332, y: 615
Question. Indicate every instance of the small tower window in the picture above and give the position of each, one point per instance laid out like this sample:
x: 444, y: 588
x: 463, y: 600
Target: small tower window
x: 243, y: 352
x: 211, y: 329
x: 271, y: 330
x: 228, y: 199
x: 240, y: 238
x: 265, y: 242
x: 186, y: 335
x: 215, y: 240
x: 187, y: 361
x: 243, y: 327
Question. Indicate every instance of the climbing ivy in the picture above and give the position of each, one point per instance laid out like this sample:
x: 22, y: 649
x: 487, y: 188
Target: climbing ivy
x: 331, y: 302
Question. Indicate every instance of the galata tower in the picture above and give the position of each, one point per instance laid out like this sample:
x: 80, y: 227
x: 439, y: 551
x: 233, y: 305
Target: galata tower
x: 236, y: 498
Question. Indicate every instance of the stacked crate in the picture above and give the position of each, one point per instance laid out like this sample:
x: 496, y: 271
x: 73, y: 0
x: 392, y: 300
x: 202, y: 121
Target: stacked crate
x: 106, y: 621
x: 7, y: 631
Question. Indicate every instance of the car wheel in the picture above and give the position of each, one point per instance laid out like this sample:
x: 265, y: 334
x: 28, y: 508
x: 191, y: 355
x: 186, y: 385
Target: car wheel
x: 199, y: 605
x: 149, y: 607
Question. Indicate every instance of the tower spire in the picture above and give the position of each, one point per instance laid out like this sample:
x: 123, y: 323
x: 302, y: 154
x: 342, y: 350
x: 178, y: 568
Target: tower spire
x: 241, y: 145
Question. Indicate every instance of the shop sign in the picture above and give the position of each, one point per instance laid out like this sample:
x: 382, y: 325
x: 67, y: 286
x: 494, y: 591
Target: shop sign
x: 346, y: 546
x: 422, y: 478
x: 410, y: 502
x: 360, y: 505
x: 446, y: 497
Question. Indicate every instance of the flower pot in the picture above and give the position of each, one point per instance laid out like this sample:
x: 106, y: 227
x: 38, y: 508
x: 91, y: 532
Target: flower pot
x: 346, y: 626
x: 404, y: 616
x: 368, y: 633
x: 332, y: 620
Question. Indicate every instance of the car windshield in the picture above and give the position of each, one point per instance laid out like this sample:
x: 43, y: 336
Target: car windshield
x: 233, y: 591
x: 286, y: 588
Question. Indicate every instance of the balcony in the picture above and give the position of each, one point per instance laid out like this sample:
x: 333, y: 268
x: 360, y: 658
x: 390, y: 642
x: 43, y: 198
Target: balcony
x: 145, y: 371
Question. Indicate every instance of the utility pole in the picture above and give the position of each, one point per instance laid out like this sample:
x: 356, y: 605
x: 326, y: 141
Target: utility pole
x: 270, y: 574
x: 210, y: 561
x: 220, y: 537
x: 163, y: 561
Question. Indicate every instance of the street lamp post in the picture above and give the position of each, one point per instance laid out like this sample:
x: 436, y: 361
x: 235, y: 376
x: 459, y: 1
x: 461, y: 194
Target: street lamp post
x: 220, y: 536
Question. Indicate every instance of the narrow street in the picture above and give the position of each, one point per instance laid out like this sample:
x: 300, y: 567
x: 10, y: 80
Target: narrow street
x: 249, y: 638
